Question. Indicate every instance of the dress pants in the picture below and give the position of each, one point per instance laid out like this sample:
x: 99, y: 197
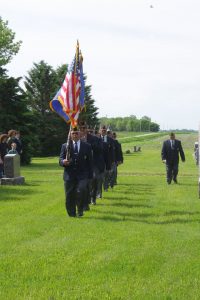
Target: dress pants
x: 100, y: 184
x: 172, y: 171
x: 106, y: 179
x: 75, y: 194
x: 113, y: 175
x: 97, y: 177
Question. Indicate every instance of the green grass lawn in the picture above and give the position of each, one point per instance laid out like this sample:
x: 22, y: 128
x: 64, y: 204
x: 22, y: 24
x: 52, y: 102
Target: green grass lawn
x: 141, y: 241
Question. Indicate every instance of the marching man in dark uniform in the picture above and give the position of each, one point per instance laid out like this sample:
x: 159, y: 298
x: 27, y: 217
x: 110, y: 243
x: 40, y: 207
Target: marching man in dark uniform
x: 98, y: 162
x: 170, y: 155
x: 109, y: 155
x: 119, y: 156
x: 76, y: 158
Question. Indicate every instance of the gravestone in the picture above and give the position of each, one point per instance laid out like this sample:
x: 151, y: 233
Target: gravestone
x: 136, y: 149
x: 12, y: 170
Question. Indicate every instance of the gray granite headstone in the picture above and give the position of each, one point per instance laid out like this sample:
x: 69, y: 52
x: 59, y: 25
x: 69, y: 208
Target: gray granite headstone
x: 12, y: 165
x: 12, y: 170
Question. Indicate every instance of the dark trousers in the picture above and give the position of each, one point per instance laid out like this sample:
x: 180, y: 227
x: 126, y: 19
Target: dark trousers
x: 87, y: 200
x: 99, y: 185
x: 97, y: 177
x: 75, y: 194
x: 113, y: 175
x: 106, y: 179
x: 172, y: 171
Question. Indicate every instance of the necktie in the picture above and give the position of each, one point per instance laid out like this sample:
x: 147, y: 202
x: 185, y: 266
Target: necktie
x: 75, y: 148
x: 172, y: 144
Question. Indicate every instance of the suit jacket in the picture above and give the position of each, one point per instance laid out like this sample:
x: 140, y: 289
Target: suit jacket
x: 119, y: 153
x: 109, y: 152
x: 172, y: 155
x: 97, y: 152
x: 80, y: 166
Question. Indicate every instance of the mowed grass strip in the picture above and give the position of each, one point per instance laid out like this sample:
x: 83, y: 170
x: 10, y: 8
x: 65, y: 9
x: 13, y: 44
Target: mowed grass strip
x: 141, y: 241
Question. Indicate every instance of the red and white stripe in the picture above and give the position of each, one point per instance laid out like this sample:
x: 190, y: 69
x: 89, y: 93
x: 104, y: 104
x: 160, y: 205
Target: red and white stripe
x: 69, y: 93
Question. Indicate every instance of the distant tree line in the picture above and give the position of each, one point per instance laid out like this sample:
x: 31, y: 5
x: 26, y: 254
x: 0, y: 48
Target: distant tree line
x: 27, y: 109
x: 131, y: 123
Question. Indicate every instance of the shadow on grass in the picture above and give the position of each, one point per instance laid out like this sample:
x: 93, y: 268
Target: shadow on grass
x: 31, y: 183
x: 125, y: 194
x: 176, y: 212
x: 43, y: 166
x: 136, y: 185
x: 139, y: 218
x: 174, y: 221
x: 15, y: 194
x: 133, y: 190
x: 144, y: 217
x: 121, y: 204
x: 188, y: 184
x: 122, y: 199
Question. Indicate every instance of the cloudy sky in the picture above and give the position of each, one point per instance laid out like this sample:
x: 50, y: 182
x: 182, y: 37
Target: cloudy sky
x: 142, y: 57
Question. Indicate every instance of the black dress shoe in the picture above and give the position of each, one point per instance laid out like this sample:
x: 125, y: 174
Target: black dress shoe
x: 72, y: 215
x: 80, y: 214
x: 175, y: 180
x: 169, y: 181
x: 86, y: 207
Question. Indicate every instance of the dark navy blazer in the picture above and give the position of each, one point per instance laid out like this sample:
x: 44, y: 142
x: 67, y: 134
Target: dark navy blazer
x: 172, y: 155
x: 97, y: 152
x: 80, y: 166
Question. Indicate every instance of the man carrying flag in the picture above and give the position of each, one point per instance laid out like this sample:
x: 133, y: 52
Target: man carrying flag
x: 75, y: 155
x: 78, y: 170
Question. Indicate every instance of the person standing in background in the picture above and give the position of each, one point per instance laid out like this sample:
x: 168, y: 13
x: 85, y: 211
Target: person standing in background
x: 170, y: 156
x: 18, y: 142
x: 3, y: 152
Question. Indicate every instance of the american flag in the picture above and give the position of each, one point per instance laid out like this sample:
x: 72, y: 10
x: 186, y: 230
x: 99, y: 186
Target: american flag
x: 71, y: 93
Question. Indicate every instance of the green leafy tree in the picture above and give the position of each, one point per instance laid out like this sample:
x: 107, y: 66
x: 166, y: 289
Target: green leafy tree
x: 41, y: 85
x: 154, y: 127
x: 90, y: 112
x: 130, y: 123
x: 8, y: 47
x: 15, y: 113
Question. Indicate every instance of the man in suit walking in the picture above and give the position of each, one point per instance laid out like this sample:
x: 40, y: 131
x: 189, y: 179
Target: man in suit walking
x: 77, y: 163
x: 119, y: 156
x: 109, y: 154
x: 170, y: 156
x: 98, y: 162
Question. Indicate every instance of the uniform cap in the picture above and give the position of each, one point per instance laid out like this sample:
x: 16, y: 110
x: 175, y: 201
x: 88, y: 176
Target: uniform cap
x: 75, y: 129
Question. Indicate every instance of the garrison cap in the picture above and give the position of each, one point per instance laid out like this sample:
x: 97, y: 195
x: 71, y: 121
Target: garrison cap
x: 75, y: 129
